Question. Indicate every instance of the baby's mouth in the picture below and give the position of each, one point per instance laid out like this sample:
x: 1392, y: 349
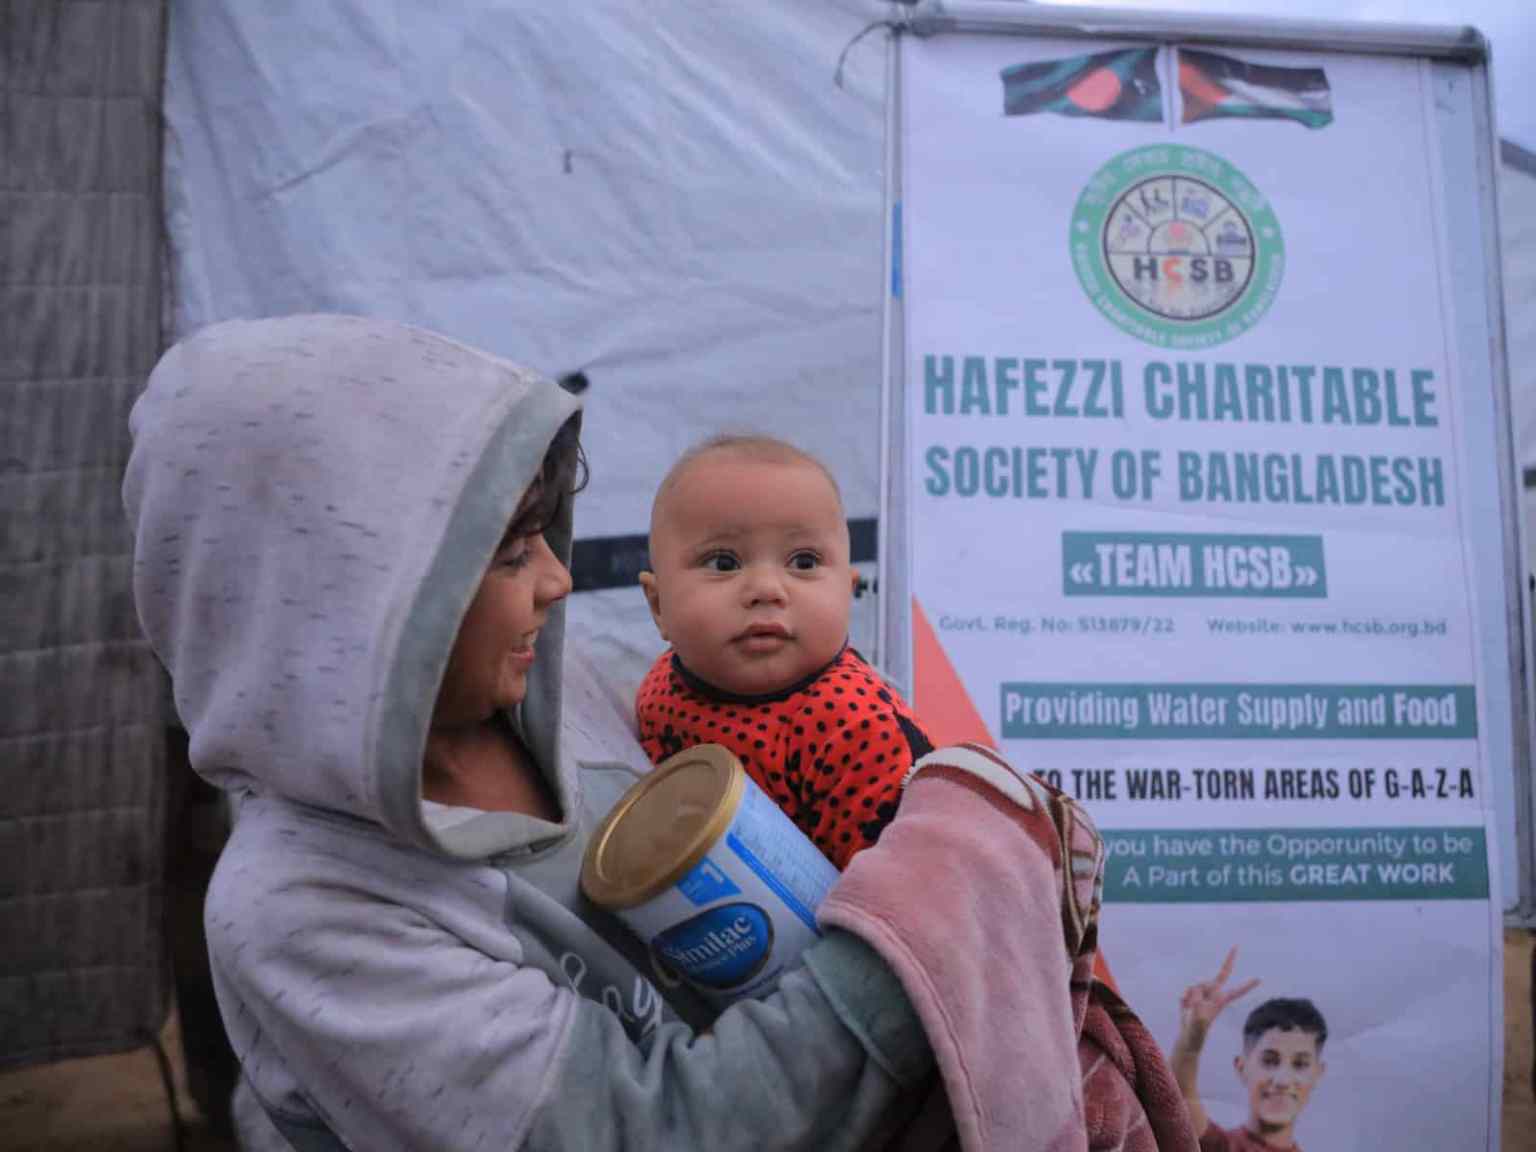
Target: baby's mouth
x: 763, y: 637
x: 775, y: 631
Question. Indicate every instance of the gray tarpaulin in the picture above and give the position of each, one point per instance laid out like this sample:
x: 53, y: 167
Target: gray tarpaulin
x: 1517, y: 225
x: 82, y: 779
x: 1517, y: 205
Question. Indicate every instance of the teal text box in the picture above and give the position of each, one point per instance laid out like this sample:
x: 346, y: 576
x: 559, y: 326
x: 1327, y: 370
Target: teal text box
x: 1189, y: 564
x: 1090, y: 711
x: 1298, y: 865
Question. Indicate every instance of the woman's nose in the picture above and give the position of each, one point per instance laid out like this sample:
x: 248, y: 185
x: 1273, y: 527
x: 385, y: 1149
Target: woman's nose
x: 554, y: 577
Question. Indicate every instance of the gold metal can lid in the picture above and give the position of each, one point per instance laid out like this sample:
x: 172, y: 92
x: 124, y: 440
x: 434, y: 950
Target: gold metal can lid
x: 662, y: 826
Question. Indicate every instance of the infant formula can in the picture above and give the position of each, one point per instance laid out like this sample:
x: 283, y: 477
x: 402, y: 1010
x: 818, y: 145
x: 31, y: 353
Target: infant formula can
x: 705, y: 868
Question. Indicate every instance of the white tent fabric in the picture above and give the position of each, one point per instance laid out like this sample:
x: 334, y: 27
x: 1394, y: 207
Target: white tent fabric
x: 707, y: 250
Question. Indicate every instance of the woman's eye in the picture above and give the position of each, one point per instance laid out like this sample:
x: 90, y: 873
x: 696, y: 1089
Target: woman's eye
x: 515, y: 557
x: 804, y: 561
x: 721, y: 562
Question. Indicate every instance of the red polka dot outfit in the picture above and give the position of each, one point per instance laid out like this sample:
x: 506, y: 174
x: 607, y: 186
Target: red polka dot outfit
x: 830, y: 750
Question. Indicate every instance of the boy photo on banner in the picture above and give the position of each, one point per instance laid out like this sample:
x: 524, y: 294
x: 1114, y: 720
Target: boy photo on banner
x: 1280, y: 1063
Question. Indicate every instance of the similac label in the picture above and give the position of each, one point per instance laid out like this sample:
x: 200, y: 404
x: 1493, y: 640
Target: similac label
x: 740, y: 916
x: 721, y: 948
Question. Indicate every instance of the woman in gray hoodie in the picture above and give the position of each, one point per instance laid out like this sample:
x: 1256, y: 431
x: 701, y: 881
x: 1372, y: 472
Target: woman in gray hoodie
x: 350, y: 539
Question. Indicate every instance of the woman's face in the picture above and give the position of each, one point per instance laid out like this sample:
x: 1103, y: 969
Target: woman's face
x: 488, y: 666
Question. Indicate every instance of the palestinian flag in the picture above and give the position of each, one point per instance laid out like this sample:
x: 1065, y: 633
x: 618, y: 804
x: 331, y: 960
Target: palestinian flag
x: 1213, y: 86
x: 1120, y: 85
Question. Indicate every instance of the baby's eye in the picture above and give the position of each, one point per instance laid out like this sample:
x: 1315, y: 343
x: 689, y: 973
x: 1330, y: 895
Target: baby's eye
x: 804, y: 561
x: 721, y: 562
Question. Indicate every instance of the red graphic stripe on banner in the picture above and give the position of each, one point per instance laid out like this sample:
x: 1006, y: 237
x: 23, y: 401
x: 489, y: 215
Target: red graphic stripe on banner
x: 946, y: 711
x: 942, y: 703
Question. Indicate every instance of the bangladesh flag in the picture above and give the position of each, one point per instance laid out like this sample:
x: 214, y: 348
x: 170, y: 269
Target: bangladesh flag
x: 1120, y: 85
x: 1213, y: 86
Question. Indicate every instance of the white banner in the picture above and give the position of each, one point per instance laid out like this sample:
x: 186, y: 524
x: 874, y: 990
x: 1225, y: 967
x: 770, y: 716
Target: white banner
x: 1188, y: 539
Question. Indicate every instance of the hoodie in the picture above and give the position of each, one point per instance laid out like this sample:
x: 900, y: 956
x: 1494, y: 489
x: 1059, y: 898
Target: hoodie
x: 314, y: 500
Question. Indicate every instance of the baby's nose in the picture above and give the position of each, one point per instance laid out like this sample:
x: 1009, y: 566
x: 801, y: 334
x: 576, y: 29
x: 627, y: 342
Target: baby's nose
x: 765, y: 584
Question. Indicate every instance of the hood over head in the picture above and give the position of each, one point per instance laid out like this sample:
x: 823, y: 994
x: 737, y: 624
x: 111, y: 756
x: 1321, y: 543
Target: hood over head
x: 314, y: 500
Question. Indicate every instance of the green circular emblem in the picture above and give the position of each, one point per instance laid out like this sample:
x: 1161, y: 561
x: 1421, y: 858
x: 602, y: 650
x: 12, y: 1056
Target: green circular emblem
x: 1176, y: 247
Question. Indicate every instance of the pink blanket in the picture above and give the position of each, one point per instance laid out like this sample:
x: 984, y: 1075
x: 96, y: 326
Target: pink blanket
x: 987, y: 910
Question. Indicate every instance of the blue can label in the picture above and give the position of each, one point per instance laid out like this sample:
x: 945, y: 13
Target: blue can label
x: 706, y: 883
x: 733, y: 922
x: 722, y: 947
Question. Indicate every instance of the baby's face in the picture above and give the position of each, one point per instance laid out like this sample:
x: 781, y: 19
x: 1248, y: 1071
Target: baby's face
x: 752, y: 582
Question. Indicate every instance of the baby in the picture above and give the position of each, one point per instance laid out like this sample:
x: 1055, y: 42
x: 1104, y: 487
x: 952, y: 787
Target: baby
x: 752, y: 585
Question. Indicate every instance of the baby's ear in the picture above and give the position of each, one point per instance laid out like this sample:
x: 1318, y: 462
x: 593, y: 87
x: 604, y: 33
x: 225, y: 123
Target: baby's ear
x: 653, y: 600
